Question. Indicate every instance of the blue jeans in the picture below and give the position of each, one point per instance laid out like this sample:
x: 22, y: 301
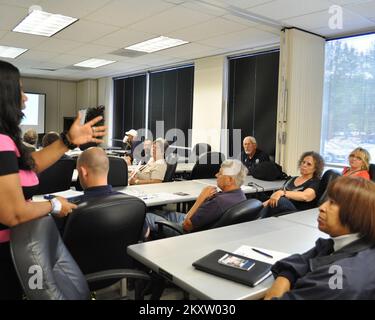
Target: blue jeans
x: 283, y: 205
x: 151, y: 218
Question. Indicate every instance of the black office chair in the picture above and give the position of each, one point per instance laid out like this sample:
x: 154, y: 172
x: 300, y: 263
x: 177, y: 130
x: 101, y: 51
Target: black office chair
x: 327, y: 177
x: 245, y: 211
x: 171, y: 160
x: 98, y: 232
x: 207, y: 165
x: 371, y: 171
x: 57, y: 177
x: 46, y: 269
x: 198, y: 150
x: 118, y: 172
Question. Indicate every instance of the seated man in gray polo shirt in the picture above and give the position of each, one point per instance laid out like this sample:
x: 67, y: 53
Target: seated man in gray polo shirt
x: 210, y: 204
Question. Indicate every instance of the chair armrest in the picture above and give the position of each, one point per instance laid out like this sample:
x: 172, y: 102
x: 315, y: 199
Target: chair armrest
x: 115, y: 274
x: 168, y: 224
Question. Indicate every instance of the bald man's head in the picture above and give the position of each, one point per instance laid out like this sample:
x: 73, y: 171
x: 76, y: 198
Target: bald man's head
x: 93, y: 167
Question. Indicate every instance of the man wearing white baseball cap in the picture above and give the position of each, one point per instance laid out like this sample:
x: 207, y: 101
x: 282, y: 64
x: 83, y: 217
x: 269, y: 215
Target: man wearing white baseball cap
x: 130, y: 143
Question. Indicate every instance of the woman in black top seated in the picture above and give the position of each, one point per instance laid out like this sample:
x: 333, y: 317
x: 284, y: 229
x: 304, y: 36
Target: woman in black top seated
x: 300, y: 192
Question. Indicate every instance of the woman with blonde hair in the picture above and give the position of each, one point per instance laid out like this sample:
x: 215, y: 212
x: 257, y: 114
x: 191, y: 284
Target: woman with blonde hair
x: 359, y: 161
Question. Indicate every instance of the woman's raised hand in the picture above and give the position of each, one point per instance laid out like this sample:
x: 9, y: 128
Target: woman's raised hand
x: 80, y: 134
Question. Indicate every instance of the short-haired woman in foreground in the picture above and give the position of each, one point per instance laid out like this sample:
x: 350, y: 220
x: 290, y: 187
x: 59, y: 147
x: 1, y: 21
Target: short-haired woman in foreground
x: 341, y: 267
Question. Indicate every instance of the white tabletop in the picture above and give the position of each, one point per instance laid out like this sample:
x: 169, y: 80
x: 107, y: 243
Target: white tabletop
x: 173, y: 257
x: 307, y: 217
x: 164, y: 193
x: 181, y: 167
x: 258, y: 185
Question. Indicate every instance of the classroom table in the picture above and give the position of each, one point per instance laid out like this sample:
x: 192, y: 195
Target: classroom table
x: 173, y: 257
x: 306, y: 217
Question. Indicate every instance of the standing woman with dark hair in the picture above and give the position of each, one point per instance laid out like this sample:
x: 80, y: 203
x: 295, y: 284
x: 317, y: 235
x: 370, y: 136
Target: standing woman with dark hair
x: 18, y: 179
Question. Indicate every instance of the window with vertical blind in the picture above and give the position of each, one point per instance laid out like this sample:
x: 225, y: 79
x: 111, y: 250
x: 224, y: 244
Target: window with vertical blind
x: 348, y: 119
x: 129, y: 107
x: 171, y: 100
x: 170, y: 97
x: 252, y: 98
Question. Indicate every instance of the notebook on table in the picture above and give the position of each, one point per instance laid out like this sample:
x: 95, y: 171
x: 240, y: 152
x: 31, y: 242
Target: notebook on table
x: 237, y: 268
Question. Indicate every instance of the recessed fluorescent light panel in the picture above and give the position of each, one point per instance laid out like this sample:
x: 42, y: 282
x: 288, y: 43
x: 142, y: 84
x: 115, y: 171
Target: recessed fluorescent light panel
x: 11, y: 52
x: 93, y: 63
x: 156, y: 44
x: 42, y: 23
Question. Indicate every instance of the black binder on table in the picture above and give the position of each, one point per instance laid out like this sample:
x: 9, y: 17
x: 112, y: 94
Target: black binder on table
x: 252, y: 277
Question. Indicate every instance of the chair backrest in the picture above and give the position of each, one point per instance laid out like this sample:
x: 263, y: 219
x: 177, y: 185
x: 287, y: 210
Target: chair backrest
x: 200, y: 148
x: 244, y: 211
x: 171, y: 160
x: 98, y: 232
x: 57, y: 177
x: 44, y: 265
x: 328, y: 176
x: 118, y: 172
x: 371, y: 171
x: 207, y: 165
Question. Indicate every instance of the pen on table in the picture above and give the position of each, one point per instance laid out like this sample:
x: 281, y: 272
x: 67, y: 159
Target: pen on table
x: 261, y: 252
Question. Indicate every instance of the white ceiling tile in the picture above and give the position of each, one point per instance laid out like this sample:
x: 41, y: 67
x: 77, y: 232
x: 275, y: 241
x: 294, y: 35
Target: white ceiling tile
x: 2, y: 33
x: 366, y: 9
x: 72, y: 8
x: 21, y: 40
x: 211, y: 7
x: 67, y: 59
x: 125, y: 12
x: 85, y: 31
x: 237, y: 19
x: 248, y: 38
x: 58, y: 45
x: 310, y: 21
x: 347, y: 30
x: 124, y: 37
x: 145, y: 59
x: 213, y: 27
x: 173, y: 19
x: 90, y: 50
x: 346, y: 2
x: 282, y: 9
x: 245, y: 3
x: 35, y: 55
x: 190, y: 50
x: 21, y: 3
x: 222, y: 7
x: 321, y: 20
x: 10, y: 16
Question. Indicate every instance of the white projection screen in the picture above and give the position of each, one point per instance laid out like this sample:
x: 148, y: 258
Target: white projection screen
x: 34, y: 112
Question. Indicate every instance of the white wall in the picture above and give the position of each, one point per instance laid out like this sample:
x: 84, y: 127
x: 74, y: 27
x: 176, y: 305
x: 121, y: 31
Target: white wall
x: 87, y: 94
x: 208, y: 101
x: 61, y: 99
x: 105, y: 97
